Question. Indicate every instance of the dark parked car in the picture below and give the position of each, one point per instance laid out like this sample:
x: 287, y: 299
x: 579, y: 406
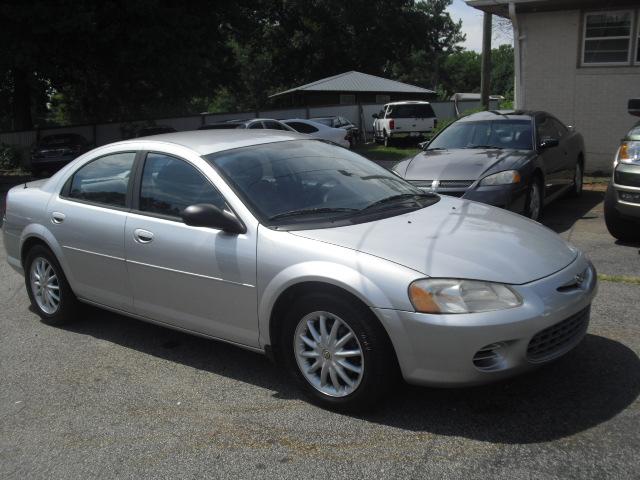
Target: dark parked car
x: 254, y: 123
x: 622, y: 202
x: 54, y: 151
x: 341, y: 122
x: 518, y: 160
x: 154, y: 130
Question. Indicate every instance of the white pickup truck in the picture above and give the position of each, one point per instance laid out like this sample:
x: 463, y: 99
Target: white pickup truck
x: 403, y: 119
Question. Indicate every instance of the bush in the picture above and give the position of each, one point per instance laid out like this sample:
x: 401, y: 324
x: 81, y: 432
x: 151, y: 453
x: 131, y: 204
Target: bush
x: 9, y: 157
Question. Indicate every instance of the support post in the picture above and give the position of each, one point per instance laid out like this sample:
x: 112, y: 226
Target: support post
x: 485, y: 86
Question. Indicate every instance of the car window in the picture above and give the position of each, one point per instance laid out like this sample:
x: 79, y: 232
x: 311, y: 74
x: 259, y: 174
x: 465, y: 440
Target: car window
x: 256, y: 125
x: 411, y: 111
x: 546, y: 129
x: 104, y: 180
x: 169, y: 185
x: 560, y: 129
x: 270, y: 124
x: 302, y: 127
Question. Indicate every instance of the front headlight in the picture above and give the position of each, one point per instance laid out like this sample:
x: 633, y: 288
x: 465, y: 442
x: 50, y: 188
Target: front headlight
x: 502, y: 178
x: 444, y: 295
x: 629, y: 152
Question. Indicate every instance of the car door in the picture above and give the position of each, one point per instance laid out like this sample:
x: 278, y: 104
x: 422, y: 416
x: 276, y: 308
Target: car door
x: 88, y: 219
x: 552, y: 156
x: 195, y: 278
x: 569, y: 156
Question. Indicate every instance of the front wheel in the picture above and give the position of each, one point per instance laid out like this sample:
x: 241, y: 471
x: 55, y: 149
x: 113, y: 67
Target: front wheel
x: 619, y: 227
x: 337, y: 351
x: 533, y: 206
x: 47, y: 287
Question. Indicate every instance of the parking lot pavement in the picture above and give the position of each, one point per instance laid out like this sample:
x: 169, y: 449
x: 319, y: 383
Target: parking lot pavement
x: 113, y: 397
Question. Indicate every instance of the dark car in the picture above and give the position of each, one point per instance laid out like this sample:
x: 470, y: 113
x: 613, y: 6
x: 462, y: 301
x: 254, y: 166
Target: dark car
x: 254, y: 123
x: 341, y: 122
x: 54, y: 151
x: 518, y: 160
x: 154, y: 130
x: 622, y: 201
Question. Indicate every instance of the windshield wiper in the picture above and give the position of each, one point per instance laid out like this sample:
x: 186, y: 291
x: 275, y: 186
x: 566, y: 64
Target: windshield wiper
x: 311, y: 211
x: 485, y: 146
x: 402, y: 196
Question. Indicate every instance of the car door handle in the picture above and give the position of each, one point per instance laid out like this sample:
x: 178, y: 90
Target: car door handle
x: 58, y: 217
x: 142, y: 236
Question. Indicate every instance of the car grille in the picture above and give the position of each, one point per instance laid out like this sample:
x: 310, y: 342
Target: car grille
x: 559, y: 338
x: 444, y: 184
x: 626, y: 178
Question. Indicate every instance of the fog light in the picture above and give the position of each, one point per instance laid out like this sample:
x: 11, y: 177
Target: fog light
x: 490, y: 357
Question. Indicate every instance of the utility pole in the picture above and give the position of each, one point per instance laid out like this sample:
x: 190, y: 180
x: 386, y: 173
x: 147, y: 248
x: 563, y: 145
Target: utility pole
x: 485, y: 86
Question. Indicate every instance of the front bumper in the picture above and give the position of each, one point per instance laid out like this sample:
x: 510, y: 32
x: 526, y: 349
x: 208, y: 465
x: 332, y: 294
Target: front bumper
x: 626, y: 185
x: 509, y: 197
x: 439, y: 350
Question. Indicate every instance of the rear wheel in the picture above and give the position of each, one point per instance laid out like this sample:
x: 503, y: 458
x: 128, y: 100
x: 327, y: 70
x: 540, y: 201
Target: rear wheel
x: 48, y: 289
x: 533, y: 205
x: 337, y: 351
x: 387, y: 139
x: 622, y: 228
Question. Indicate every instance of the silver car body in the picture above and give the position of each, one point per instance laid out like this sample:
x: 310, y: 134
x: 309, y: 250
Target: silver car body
x: 225, y: 286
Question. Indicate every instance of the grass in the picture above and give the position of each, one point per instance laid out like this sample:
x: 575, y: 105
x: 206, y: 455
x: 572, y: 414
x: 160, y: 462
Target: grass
x: 379, y: 153
x: 619, y: 279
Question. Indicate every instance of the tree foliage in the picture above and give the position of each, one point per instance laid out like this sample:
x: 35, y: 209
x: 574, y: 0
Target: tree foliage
x: 70, y: 61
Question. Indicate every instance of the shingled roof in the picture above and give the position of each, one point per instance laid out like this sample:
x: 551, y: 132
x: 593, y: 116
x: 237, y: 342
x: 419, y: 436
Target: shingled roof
x: 356, y: 82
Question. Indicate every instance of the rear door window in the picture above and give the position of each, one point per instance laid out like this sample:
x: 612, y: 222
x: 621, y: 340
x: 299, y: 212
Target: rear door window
x: 302, y: 127
x: 104, y: 180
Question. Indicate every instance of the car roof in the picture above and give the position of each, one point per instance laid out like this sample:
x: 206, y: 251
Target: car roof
x: 501, y: 115
x: 205, y: 142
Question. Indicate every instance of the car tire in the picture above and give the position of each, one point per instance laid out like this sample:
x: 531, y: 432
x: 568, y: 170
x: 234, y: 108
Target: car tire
x: 369, y: 351
x: 578, y: 178
x: 54, y: 302
x: 534, y: 200
x: 624, y: 229
x: 387, y: 140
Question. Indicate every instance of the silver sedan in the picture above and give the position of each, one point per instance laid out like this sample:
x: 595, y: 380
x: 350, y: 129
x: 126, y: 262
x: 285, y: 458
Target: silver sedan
x: 307, y: 252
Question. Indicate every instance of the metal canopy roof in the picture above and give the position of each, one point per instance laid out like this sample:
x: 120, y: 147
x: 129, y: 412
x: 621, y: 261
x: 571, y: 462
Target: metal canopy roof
x: 356, y: 82
x: 501, y: 7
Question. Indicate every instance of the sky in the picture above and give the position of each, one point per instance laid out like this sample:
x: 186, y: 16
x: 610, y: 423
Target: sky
x: 472, y: 26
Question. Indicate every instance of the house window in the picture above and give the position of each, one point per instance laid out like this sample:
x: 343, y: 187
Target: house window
x: 347, y: 99
x: 607, y: 38
x: 383, y: 98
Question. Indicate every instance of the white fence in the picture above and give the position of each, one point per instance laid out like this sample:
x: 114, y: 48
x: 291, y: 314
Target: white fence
x: 101, y: 134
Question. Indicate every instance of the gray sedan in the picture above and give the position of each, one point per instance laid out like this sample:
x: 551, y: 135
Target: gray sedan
x: 344, y: 273
x: 518, y: 160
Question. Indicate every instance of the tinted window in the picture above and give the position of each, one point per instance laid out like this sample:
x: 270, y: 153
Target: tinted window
x: 104, y: 180
x: 302, y: 127
x: 485, y: 134
x: 270, y: 124
x: 546, y: 128
x: 170, y: 185
x: 410, y: 111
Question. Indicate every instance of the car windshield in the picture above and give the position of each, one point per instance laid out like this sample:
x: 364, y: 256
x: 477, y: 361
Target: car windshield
x: 511, y: 134
x: 313, y: 181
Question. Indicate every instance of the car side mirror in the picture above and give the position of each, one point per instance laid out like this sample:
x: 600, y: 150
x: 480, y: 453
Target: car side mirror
x: 548, y: 142
x: 207, y: 215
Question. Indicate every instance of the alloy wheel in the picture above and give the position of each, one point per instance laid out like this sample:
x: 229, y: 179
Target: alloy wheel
x: 328, y: 354
x: 45, y: 285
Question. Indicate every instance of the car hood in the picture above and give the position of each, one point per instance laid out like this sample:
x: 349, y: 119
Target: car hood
x: 458, y: 239
x: 458, y: 164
